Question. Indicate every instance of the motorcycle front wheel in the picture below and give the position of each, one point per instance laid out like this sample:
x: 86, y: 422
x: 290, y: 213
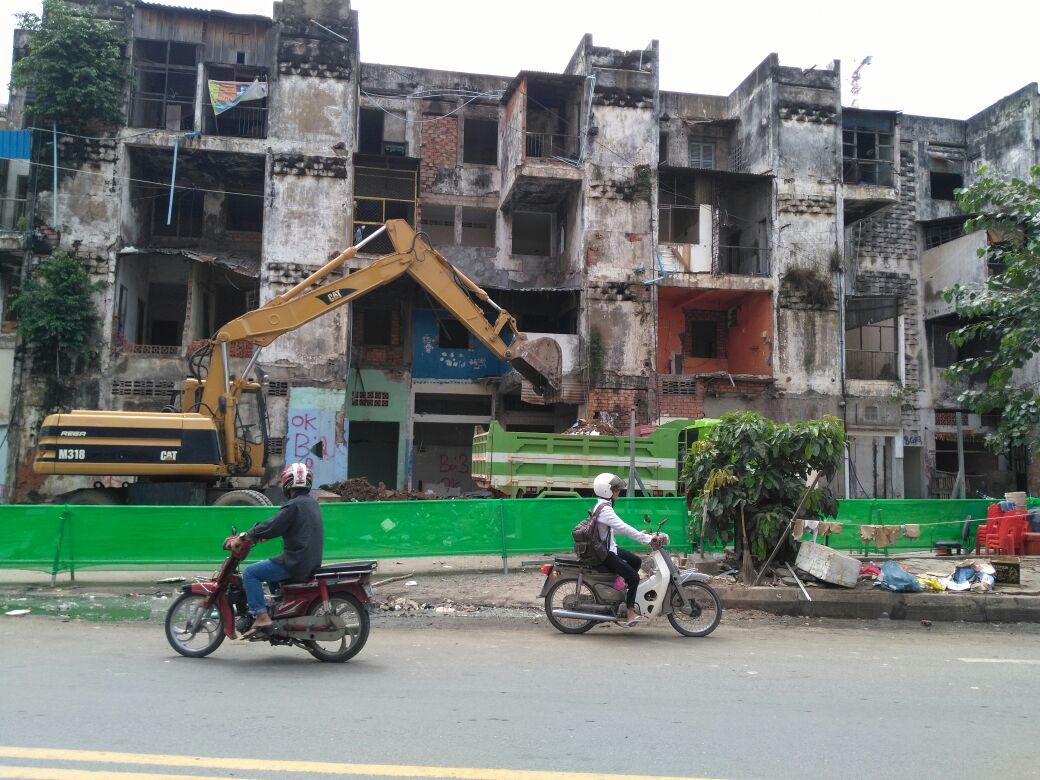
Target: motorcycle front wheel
x: 192, y: 630
x: 702, y: 616
x: 355, y: 616
x: 567, y: 594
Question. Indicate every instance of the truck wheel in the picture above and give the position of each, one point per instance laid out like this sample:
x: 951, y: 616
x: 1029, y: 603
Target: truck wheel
x: 242, y: 498
x: 96, y: 496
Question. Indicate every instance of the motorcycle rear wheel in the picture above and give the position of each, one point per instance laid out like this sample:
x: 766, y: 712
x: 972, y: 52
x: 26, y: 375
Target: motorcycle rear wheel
x: 566, y: 594
x: 355, y: 616
x: 702, y: 616
x: 182, y: 616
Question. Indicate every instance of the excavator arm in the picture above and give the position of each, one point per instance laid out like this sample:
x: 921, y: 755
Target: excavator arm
x: 537, y: 360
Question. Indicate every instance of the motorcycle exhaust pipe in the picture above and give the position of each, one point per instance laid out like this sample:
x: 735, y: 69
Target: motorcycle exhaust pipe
x: 574, y: 615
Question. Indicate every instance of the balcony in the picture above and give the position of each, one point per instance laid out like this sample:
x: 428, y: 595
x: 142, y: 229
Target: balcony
x: 953, y: 262
x: 551, y: 146
x: 239, y: 122
x: 687, y: 241
x: 862, y: 364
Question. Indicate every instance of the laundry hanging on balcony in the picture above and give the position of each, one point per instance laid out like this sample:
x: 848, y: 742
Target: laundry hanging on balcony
x: 225, y: 95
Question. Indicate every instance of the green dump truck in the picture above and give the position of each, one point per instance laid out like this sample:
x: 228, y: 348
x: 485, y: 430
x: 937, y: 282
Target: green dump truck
x: 518, y: 464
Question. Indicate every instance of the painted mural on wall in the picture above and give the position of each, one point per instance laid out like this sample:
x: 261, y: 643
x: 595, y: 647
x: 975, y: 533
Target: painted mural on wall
x: 316, y: 415
x: 433, y: 361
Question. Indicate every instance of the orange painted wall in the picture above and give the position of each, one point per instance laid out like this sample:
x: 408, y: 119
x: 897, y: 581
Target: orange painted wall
x: 746, y: 352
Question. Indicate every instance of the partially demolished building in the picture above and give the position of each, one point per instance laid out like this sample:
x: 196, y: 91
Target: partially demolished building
x: 693, y: 254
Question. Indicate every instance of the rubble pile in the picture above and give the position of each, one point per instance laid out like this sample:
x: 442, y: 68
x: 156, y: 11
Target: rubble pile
x: 363, y: 490
x: 592, y: 428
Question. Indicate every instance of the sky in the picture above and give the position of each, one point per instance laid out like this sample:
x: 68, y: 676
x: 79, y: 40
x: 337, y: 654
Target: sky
x: 948, y: 61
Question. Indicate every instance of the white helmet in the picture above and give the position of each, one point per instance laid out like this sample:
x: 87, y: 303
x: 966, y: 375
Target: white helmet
x: 604, y: 484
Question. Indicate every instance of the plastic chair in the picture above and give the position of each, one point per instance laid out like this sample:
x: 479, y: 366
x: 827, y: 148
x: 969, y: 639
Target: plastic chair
x: 1013, y: 527
x: 992, y: 513
x: 988, y: 536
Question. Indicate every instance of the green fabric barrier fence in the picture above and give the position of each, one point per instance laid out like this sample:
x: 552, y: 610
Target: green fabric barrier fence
x: 58, y: 538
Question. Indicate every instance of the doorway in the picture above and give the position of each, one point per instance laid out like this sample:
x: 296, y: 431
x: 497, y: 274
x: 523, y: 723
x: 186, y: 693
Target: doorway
x: 372, y: 452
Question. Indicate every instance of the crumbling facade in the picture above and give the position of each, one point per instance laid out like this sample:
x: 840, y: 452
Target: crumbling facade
x: 692, y: 254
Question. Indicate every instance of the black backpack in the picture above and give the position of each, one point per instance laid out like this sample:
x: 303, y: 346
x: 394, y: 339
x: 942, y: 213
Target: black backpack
x: 590, y: 547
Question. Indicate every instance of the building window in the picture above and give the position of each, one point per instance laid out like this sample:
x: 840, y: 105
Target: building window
x: 705, y: 335
x: 438, y: 223
x: 944, y: 354
x: 185, y: 218
x: 164, y: 85
x: 944, y: 185
x: 384, y: 188
x: 871, y: 351
x: 452, y: 334
x: 381, y: 132
x: 702, y: 155
x: 245, y: 213
x: 478, y: 227
x: 662, y: 149
x: 532, y: 233
x: 679, y: 224
x: 377, y: 327
x: 480, y: 141
x: 867, y: 157
x: 938, y: 233
x: 248, y: 119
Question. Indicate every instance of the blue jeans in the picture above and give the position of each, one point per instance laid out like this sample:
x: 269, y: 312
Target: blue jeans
x: 254, y: 577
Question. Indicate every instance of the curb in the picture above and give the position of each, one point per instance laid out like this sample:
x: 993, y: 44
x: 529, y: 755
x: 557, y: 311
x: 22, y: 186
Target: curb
x: 871, y: 605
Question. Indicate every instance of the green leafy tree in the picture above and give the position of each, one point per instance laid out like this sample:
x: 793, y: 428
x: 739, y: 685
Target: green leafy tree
x: 74, y: 65
x: 56, y: 312
x: 749, y: 463
x: 1003, y: 315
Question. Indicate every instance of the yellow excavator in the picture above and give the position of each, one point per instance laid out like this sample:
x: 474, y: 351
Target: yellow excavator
x: 220, y: 431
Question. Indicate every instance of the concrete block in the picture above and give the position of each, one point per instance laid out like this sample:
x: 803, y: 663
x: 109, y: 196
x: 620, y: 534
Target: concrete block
x: 828, y: 565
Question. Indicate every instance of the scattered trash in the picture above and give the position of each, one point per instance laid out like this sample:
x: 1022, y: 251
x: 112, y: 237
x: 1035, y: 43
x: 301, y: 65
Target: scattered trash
x: 926, y: 623
x: 895, y: 578
x: 18, y: 612
x: 411, y: 583
x: 169, y: 579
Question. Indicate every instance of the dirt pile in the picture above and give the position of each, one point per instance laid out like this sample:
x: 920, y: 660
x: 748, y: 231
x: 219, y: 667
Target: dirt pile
x: 363, y: 490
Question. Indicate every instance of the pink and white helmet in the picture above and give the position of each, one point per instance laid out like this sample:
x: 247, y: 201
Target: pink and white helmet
x: 297, y: 476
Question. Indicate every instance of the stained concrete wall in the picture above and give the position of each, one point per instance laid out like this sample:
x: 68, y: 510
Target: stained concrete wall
x: 1003, y: 136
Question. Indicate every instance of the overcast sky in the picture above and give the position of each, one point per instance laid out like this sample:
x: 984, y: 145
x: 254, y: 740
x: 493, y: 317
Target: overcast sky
x: 949, y: 60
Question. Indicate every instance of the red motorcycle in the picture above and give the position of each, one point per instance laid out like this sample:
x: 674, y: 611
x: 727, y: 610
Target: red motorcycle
x: 325, y: 615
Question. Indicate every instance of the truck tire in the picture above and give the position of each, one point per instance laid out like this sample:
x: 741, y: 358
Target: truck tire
x: 95, y: 496
x: 242, y: 498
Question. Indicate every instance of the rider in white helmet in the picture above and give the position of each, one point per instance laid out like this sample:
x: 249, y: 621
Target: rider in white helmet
x: 625, y: 564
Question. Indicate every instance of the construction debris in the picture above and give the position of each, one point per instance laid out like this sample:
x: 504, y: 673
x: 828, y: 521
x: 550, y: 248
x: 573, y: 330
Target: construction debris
x: 592, y: 428
x: 363, y: 490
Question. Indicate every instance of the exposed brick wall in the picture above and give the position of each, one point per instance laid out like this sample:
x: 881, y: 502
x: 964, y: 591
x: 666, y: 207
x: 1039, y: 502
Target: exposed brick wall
x: 614, y: 405
x: 439, y: 150
x: 309, y: 165
x: 387, y: 356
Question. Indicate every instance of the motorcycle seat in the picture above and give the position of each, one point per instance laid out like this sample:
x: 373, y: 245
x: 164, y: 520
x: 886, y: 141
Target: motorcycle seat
x: 334, y: 570
x: 573, y: 562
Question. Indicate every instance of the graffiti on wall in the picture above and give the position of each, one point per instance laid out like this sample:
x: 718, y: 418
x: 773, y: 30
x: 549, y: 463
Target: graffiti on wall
x: 311, y: 426
x: 444, y: 470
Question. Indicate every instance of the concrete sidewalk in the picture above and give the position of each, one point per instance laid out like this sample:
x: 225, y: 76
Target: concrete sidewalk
x: 471, y: 583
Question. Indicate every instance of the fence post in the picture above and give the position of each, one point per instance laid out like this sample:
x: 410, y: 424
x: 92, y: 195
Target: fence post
x: 500, y: 512
x: 57, y: 547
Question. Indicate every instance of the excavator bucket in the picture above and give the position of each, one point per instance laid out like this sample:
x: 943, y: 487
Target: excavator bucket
x: 540, y: 362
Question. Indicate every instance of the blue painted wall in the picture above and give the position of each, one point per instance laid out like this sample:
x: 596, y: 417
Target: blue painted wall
x: 432, y: 362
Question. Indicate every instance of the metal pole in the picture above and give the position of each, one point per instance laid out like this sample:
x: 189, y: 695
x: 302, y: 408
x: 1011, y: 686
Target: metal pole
x: 962, y: 478
x: 54, y: 210
x: 631, y: 491
x: 173, y: 179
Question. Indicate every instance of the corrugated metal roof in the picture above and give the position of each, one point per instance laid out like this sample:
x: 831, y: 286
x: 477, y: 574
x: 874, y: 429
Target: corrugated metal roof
x: 14, y: 144
x: 247, y: 266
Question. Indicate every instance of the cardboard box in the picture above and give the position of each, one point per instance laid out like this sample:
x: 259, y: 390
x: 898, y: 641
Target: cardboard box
x: 1007, y: 570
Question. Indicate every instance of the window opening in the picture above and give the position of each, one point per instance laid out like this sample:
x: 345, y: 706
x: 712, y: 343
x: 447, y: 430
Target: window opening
x: 942, y: 233
x: 480, y: 141
x: 438, y: 222
x: 164, y: 85
x: 943, y: 185
x: 245, y: 212
x: 452, y: 334
x: 702, y: 155
x: 702, y: 335
x: 871, y: 351
x: 868, y: 157
x: 376, y: 327
x: 532, y: 233
x: 478, y: 227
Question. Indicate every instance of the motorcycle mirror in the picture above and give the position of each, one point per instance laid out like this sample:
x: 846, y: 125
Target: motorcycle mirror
x: 646, y: 519
x: 665, y: 520
x: 234, y: 531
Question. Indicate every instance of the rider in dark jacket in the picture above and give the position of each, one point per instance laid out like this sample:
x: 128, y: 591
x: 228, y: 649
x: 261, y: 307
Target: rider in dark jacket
x: 299, y: 524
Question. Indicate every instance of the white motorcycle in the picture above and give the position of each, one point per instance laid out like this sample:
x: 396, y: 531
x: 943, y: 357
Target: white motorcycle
x: 578, y: 596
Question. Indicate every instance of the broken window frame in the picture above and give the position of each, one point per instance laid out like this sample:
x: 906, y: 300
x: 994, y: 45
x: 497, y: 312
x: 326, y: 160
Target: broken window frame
x: 866, y: 355
x: 438, y: 223
x: 140, y: 99
x: 187, y: 216
x: 452, y: 334
x: 868, y: 156
x: 244, y: 212
x: 382, y: 193
x: 939, y: 233
x: 705, y: 334
x: 478, y: 227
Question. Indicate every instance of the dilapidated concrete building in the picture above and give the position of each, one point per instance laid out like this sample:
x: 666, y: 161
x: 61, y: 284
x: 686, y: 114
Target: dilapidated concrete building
x: 692, y: 254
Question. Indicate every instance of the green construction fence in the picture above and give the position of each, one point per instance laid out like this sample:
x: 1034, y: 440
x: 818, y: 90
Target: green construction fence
x: 56, y: 538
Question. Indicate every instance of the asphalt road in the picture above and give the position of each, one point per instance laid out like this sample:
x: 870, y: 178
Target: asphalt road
x: 504, y: 697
